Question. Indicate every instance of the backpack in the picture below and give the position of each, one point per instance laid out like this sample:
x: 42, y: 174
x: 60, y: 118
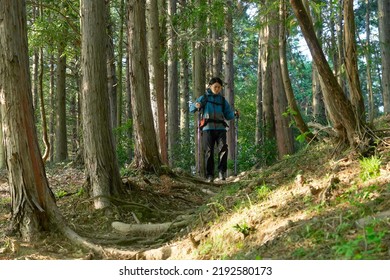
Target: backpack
x: 205, y: 100
x: 203, y: 121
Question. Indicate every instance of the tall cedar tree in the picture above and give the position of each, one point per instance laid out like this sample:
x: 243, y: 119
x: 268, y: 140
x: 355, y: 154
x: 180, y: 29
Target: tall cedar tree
x: 32, y: 201
x: 384, y: 38
x: 100, y: 158
x: 146, y: 153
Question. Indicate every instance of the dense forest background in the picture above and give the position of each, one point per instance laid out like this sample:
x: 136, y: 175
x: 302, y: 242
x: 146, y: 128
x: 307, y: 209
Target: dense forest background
x: 107, y: 87
x: 225, y: 46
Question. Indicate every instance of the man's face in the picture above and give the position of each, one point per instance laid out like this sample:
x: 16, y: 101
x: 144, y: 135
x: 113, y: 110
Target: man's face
x: 216, y: 88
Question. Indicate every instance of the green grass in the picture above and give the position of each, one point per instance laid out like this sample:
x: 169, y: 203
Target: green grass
x: 370, y: 168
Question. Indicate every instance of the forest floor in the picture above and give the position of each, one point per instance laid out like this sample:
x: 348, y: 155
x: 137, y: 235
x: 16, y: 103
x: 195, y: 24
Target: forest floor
x: 311, y: 205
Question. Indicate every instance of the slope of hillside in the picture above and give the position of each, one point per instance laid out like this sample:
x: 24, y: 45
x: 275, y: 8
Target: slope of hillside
x: 312, y: 205
x: 308, y: 206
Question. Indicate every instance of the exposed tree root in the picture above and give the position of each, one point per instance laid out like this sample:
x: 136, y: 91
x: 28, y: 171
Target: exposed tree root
x: 148, y: 229
x: 321, y: 128
x: 110, y: 252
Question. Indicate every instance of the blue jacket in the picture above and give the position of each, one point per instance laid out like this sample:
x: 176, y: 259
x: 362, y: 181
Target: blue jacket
x: 213, y: 111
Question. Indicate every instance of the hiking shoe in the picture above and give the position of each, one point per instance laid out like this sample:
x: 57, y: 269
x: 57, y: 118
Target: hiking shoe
x: 209, y: 179
x: 222, y: 175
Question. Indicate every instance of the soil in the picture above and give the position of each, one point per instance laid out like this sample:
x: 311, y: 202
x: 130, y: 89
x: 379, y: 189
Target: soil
x: 149, y: 199
x: 307, y: 206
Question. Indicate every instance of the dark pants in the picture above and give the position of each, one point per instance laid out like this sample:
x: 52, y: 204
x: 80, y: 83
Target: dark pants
x: 212, y: 138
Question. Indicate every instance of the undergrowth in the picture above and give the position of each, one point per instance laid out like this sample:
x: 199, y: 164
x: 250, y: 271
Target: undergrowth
x: 268, y: 216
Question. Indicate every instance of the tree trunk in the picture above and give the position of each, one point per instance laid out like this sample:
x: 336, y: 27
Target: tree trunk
x: 157, y: 77
x: 266, y: 75
x: 259, y: 136
x: 184, y: 91
x: 371, y: 102
x: 120, y: 63
x: 217, y: 58
x: 351, y: 66
x: 31, y: 199
x: 339, y: 108
x: 184, y: 53
x: 45, y: 135
x: 172, y: 91
x: 112, y: 81
x: 384, y: 39
x: 35, y: 81
x: 52, y: 107
x: 319, y: 114
x: 284, y: 136
x: 199, y: 81
x: 2, y: 148
x: 35, y: 66
x: 61, y: 145
x: 147, y: 156
x: 335, y: 46
x: 100, y: 159
x: 129, y: 113
x: 229, y: 77
x: 296, y: 114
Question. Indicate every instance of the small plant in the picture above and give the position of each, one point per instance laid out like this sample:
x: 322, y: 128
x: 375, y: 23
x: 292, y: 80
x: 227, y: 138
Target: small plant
x: 262, y: 192
x: 216, y: 207
x: 363, y: 246
x: 61, y: 194
x: 244, y: 229
x: 299, y: 253
x: 312, y: 232
x: 214, y: 245
x: 301, y: 138
x: 5, y: 201
x: 80, y: 192
x: 206, y: 248
x: 369, y: 168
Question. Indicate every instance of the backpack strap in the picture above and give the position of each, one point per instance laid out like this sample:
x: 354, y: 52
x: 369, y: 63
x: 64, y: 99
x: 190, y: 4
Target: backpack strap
x: 205, y: 100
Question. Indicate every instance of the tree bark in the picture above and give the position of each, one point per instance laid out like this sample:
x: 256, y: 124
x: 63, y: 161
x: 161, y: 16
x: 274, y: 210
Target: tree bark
x: 266, y: 75
x: 319, y: 114
x: 184, y: 88
x: 172, y: 90
x: 296, y: 114
x: 129, y: 113
x: 112, y: 81
x: 147, y: 156
x: 100, y: 158
x: 371, y: 103
x: 120, y: 87
x: 52, y: 107
x: 45, y: 135
x: 199, y: 81
x: 2, y: 148
x: 351, y: 66
x: 35, y: 66
x: 157, y: 75
x: 284, y: 136
x: 229, y: 77
x: 61, y: 145
x: 384, y: 39
x: 217, y: 58
x: 31, y: 199
x: 259, y: 134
